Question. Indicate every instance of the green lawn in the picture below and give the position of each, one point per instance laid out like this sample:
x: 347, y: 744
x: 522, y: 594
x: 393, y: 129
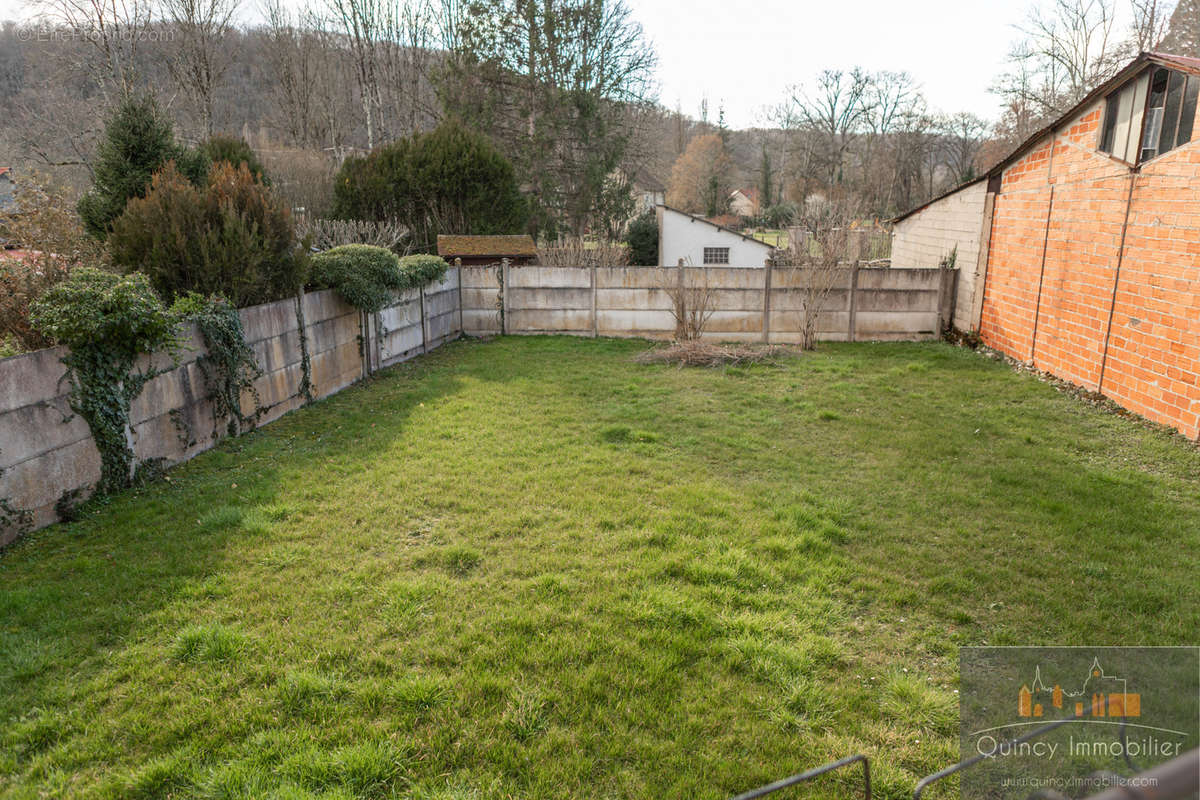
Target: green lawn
x: 773, y: 238
x: 533, y: 568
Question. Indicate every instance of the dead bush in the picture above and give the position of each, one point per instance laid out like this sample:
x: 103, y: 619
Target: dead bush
x: 692, y: 303
x: 51, y: 243
x: 576, y: 252
x: 326, y: 234
x: 704, y: 354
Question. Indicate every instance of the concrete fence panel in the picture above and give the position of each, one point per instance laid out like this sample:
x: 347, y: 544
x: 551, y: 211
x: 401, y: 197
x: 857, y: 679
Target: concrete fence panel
x: 47, y: 453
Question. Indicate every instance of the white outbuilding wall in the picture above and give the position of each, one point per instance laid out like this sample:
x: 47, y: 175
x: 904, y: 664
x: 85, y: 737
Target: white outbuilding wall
x: 683, y: 236
x: 924, y: 238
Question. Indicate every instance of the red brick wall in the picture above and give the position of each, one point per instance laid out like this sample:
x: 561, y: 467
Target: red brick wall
x: 1055, y: 248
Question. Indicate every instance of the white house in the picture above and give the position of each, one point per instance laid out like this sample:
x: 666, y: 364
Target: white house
x: 744, y: 202
x: 698, y: 242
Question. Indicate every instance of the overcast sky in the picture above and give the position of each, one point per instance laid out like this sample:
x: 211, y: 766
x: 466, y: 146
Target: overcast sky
x: 745, y: 54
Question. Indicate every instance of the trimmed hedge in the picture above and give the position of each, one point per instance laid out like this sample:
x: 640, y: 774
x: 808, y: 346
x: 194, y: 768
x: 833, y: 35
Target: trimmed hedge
x: 420, y: 270
x: 369, y: 277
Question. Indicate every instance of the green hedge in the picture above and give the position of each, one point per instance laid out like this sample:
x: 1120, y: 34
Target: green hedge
x: 369, y: 277
x: 420, y: 270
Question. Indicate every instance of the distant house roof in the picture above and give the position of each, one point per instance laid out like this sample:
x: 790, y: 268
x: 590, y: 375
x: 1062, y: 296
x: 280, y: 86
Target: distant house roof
x: 718, y: 226
x: 5, y: 171
x: 477, y: 246
x: 750, y: 194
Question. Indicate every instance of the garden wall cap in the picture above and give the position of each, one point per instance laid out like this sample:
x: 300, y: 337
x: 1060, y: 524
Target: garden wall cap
x: 496, y: 246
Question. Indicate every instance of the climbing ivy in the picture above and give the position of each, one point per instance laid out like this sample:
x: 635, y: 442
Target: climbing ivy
x: 12, y: 518
x: 229, y: 368
x: 305, y: 389
x: 108, y: 321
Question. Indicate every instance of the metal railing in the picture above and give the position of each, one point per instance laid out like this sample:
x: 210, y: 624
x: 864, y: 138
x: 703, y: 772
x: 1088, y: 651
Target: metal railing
x: 1172, y: 780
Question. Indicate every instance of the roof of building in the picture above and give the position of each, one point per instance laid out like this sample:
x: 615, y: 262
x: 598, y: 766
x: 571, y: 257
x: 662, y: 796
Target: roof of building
x: 750, y: 194
x: 5, y: 170
x: 1180, y: 63
x: 478, y: 246
x: 695, y: 218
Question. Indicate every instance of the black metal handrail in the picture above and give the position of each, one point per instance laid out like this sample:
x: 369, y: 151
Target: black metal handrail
x: 770, y: 788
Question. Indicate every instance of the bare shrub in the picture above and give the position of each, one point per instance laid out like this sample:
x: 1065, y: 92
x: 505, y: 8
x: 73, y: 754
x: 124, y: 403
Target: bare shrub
x: 704, y: 354
x: 577, y: 252
x: 326, y: 234
x: 691, y: 303
x: 825, y: 243
x: 52, y: 242
x: 301, y: 178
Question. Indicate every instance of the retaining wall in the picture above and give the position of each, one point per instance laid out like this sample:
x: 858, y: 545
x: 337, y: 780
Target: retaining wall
x: 47, y: 452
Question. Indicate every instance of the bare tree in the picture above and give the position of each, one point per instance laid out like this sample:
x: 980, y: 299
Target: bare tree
x: 200, y: 58
x: 115, y: 28
x: 575, y: 252
x: 964, y: 134
x: 1068, y: 47
x: 1150, y: 20
x: 833, y: 111
x: 409, y: 30
x: 822, y: 245
x: 362, y: 22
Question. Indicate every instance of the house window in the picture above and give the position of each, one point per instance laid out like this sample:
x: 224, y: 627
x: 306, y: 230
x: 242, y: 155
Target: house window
x: 1150, y: 116
x: 716, y: 255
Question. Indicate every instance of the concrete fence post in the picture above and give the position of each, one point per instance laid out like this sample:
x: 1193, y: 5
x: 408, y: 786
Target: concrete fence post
x: 424, y: 330
x: 364, y: 345
x: 947, y: 297
x: 595, y: 322
x: 768, y: 264
x: 377, y: 339
x: 979, y: 279
x: 462, y: 331
x: 853, y: 302
x: 504, y: 296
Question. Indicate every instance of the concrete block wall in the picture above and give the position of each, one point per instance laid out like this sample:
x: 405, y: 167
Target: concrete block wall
x: 636, y: 302
x: 928, y: 236
x: 1093, y: 268
x: 47, y: 451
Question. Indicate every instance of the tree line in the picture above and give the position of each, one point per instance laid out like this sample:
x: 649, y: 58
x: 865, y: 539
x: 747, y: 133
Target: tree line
x: 563, y: 88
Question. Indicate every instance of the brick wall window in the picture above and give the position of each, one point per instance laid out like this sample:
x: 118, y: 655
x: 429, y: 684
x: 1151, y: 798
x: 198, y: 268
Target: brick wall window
x: 1153, y: 112
x: 716, y: 255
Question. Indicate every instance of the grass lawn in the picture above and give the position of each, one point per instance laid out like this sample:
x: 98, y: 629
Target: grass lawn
x: 532, y: 568
x: 773, y: 238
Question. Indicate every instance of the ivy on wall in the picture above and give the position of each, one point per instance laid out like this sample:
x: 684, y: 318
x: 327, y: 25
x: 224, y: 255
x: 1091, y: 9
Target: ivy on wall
x: 12, y: 518
x: 229, y: 367
x: 108, y: 321
x: 305, y: 389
